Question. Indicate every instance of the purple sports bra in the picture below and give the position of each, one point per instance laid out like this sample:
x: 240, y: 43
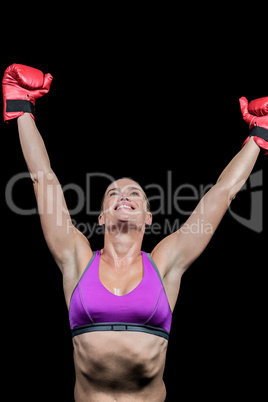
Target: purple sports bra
x: 144, y: 309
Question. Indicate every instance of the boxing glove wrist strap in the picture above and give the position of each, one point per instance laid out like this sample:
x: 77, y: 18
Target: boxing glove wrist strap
x: 260, y: 132
x: 19, y: 105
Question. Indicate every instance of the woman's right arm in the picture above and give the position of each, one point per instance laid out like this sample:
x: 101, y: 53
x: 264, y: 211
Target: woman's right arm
x: 64, y: 241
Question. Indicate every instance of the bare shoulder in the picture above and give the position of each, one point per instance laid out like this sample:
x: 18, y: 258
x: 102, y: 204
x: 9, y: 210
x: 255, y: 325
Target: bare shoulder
x: 83, y: 253
x: 167, y: 255
x: 75, y: 262
x: 76, y: 256
x: 169, y: 270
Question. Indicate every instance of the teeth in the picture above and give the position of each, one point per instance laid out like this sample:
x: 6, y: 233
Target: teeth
x: 123, y: 206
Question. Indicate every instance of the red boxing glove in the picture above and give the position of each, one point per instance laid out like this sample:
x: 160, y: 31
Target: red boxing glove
x: 22, y: 85
x: 255, y: 115
x: 259, y: 107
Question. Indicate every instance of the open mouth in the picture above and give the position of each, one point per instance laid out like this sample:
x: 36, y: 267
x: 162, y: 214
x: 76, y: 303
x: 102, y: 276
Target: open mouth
x: 124, y: 206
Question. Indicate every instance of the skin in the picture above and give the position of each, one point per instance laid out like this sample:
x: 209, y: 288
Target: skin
x: 119, y: 366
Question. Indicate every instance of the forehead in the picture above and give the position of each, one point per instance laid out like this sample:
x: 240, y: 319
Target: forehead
x: 123, y: 184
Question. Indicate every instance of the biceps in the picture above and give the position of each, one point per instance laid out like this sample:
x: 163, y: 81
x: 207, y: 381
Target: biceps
x: 208, y: 213
x: 54, y: 215
x: 49, y: 197
x: 198, y: 230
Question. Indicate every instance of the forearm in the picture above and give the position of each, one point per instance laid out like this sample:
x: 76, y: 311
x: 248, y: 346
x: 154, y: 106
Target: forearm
x: 33, y: 146
x: 238, y: 170
x: 57, y: 227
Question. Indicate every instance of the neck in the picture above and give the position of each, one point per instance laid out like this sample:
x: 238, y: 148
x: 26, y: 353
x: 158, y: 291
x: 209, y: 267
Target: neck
x: 121, y: 247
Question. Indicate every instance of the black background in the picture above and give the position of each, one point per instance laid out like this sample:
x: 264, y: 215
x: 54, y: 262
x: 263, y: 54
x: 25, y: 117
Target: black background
x: 137, y: 104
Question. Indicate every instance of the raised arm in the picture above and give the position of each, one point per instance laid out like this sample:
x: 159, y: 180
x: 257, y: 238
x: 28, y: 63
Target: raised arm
x: 22, y: 85
x: 177, y: 252
x: 60, y: 234
x: 186, y: 244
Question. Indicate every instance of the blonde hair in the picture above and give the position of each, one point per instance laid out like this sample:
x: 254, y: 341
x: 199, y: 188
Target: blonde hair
x: 129, y: 178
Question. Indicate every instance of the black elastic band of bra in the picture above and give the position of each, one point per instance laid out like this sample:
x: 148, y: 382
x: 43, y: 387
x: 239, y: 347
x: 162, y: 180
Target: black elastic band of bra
x: 19, y: 105
x: 259, y: 132
x: 120, y: 326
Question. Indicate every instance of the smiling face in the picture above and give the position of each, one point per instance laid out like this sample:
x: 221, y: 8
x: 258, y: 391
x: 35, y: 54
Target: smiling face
x: 125, y: 201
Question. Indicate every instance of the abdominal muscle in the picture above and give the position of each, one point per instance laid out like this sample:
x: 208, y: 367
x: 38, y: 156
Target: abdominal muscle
x: 119, y: 366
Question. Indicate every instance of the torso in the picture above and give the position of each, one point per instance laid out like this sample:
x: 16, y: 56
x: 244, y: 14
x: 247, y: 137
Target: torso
x: 115, y: 366
x: 119, y: 366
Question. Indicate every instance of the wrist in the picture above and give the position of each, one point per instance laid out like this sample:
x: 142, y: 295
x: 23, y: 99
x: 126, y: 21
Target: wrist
x: 25, y: 116
x: 259, y: 137
x: 25, y: 119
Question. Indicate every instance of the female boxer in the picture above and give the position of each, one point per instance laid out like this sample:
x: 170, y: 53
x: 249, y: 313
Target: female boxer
x: 120, y: 299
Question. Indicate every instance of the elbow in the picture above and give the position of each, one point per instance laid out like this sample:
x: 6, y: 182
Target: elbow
x: 41, y: 174
x: 229, y: 189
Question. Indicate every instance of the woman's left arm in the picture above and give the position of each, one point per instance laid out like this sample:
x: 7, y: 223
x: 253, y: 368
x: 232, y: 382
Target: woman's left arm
x: 178, y: 250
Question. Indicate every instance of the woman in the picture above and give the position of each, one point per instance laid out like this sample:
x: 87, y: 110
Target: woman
x: 120, y: 299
